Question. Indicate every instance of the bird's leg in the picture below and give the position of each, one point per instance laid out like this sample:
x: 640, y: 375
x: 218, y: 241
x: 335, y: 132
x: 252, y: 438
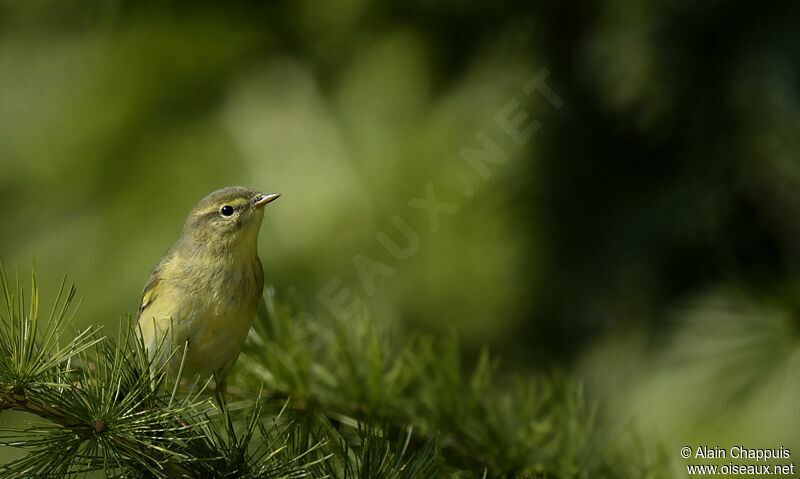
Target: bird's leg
x: 220, y: 388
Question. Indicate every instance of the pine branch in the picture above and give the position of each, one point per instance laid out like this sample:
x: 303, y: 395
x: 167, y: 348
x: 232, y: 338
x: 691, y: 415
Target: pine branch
x: 344, y: 409
x: 352, y: 374
x: 9, y: 399
x: 83, y: 430
x: 120, y: 413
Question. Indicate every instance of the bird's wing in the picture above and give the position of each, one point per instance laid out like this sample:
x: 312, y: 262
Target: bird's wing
x: 149, y: 291
x: 148, y: 294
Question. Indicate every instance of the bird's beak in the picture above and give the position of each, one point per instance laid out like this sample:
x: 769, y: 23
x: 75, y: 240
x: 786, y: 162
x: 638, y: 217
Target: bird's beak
x: 262, y: 200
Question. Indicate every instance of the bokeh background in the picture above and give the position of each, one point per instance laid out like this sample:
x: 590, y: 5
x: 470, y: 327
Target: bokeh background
x: 644, y: 239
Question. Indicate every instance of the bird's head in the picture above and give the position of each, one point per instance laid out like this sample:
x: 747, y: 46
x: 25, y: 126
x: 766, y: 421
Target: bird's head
x: 227, y: 218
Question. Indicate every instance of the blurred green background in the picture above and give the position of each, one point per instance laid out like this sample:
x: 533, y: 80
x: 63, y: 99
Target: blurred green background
x: 644, y: 239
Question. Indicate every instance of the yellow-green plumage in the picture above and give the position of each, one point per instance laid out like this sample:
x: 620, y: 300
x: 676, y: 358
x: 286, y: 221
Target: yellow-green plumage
x: 206, y: 288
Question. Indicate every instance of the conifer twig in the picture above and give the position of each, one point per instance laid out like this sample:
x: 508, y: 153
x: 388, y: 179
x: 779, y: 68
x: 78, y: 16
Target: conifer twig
x: 19, y: 401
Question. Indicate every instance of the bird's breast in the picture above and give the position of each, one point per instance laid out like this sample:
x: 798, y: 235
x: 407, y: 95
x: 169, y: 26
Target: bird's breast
x: 211, y: 308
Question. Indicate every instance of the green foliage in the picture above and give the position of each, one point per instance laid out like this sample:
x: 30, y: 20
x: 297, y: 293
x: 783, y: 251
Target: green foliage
x: 334, y: 400
x: 516, y: 428
x: 30, y: 352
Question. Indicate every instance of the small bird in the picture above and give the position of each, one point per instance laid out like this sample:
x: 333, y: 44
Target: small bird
x: 204, y: 291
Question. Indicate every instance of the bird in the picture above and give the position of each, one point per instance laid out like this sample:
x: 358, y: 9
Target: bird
x: 200, y: 299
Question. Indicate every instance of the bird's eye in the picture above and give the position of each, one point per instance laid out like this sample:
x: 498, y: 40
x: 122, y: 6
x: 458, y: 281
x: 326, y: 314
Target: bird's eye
x: 226, y: 210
